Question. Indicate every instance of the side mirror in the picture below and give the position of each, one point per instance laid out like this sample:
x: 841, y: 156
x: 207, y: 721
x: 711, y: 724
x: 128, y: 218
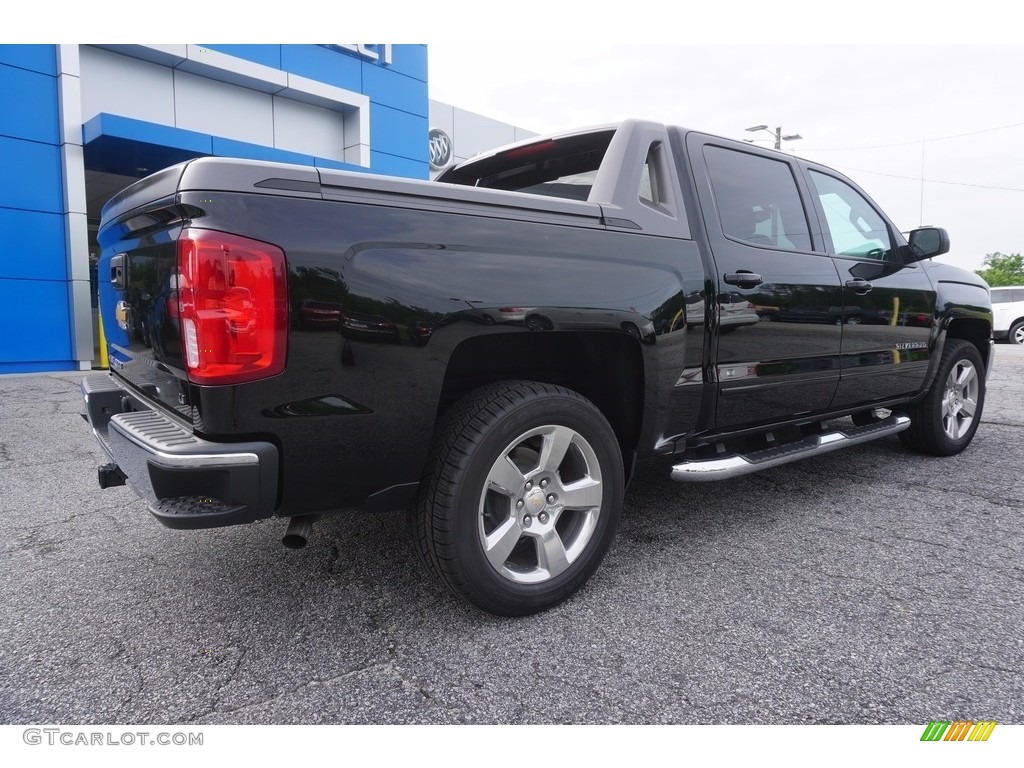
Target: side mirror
x: 927, y: 242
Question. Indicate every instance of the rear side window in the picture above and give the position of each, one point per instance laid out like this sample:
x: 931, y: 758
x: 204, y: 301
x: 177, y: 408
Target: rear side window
x: 758, y: 200
x: 1007, y: 295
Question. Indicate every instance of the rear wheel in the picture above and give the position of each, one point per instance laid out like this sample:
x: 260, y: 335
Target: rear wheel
x: 944, y: 422
x: 538, y: 323
x: 522, y: 497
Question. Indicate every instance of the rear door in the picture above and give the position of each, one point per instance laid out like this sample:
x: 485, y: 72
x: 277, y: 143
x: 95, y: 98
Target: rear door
x: 767, y: 253
x: 888, y: 306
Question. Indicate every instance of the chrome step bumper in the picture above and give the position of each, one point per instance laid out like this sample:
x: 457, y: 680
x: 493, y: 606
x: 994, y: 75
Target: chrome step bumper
x: 734, y: 465
x: 187, y: 481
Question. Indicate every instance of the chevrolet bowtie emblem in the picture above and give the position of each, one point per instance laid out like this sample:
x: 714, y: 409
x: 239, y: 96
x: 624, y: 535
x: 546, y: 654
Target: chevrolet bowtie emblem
x: 121, y: 312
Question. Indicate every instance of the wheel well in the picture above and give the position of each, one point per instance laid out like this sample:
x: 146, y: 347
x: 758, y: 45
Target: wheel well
x: 977, y: 332
x: 606, y: 368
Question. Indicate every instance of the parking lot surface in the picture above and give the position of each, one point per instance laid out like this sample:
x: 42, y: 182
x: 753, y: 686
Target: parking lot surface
x: 870, y: 585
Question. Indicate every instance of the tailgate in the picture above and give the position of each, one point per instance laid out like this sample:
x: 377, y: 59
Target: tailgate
x: 139, y: 288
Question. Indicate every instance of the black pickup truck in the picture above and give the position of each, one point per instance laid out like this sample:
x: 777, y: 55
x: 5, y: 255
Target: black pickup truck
x: 494, y: 351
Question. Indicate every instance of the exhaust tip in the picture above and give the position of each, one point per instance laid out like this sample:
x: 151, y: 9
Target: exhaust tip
x: 297, y: 535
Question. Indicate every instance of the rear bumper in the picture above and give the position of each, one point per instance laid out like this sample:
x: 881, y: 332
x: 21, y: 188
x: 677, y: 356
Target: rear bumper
x: 188, y: 482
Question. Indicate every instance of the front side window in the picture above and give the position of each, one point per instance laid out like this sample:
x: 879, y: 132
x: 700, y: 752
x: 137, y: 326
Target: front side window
x: 856, y: 228
x: 758, y: 201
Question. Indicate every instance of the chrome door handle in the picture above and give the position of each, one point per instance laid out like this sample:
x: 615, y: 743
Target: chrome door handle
x: 742, y: 279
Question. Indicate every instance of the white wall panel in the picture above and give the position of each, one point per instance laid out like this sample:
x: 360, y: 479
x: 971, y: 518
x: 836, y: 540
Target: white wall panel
x: 473, y: 133
x: 221, y: 109
x: 122, y: 85
x: 305, y: 128
x: 442, y: 116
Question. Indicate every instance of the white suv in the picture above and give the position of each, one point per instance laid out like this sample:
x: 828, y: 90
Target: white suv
x: 1008, y: 308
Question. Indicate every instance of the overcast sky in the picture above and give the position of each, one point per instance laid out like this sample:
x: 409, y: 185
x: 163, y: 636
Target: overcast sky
x: 886, y: 115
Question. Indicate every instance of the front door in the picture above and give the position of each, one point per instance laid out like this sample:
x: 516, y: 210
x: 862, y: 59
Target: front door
x: 888, y: 306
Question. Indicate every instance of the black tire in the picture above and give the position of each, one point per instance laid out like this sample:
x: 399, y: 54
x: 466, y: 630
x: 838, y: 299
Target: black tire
x: 944, y: 422
x: 1016, y: 334
x: 484, y: 521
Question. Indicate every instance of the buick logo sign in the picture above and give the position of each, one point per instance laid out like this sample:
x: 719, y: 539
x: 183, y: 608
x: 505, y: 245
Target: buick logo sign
x: 440, y: 149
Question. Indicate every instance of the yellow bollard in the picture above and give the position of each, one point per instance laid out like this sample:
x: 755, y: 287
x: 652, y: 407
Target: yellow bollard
x: 104, y: 361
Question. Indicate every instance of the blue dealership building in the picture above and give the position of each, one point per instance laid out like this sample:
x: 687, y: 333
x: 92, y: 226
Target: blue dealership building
x: 80, y: 122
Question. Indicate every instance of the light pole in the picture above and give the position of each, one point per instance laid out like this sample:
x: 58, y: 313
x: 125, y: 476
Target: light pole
x: 777, y: 133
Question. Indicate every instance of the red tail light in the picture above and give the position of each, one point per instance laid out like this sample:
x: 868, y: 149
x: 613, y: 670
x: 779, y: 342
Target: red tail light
x: 232, y: 294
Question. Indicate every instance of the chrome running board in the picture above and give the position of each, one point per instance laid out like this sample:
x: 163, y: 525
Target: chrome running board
x: 735, y: 465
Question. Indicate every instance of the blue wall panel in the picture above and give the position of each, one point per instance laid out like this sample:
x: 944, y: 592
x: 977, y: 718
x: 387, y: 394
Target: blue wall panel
x: 410, y: 60
x: 326, y: 162
x: 148, y: 133
x: 392, y: 165
x: 38, y: 58
x: 398, y: 133
x: 30, y: 176
x: 393, y: 89
x: 39, y: 367
x: 29, y: 105
x: 34, y: 245
x: 39, y: 310
x: 325, y: 65
x: 34, y: 303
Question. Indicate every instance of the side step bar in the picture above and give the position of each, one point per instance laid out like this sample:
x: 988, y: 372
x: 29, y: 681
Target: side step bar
x: 735, y: 465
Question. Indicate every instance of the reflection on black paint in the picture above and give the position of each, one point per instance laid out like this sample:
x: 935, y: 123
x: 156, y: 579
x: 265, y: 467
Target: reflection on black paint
x: 327, y: 405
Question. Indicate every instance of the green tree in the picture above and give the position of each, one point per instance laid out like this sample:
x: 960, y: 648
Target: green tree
x: 1003, y: 269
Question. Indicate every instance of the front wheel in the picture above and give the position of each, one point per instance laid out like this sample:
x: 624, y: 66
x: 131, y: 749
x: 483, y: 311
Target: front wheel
x: 944, y: 422
x: 522, y: 496
x: 1016, y: 335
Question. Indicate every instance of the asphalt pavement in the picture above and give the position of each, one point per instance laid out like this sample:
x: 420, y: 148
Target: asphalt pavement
x: 870, y: 585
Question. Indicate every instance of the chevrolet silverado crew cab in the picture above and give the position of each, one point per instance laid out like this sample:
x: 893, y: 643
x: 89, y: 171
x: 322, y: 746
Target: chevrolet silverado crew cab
x: 496, y: 350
